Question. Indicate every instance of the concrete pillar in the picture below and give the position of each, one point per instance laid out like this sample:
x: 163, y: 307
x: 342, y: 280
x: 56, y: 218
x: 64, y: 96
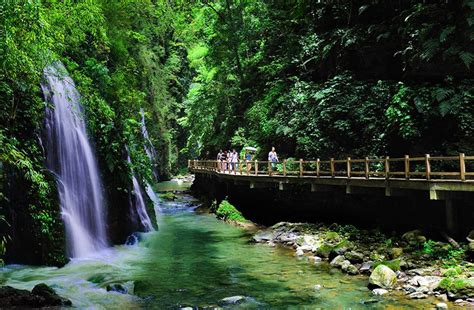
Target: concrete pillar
x: 451, y: 217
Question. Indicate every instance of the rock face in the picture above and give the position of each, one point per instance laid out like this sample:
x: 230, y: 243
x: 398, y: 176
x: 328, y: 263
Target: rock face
x: 41, y: 296
x: 383, y: 277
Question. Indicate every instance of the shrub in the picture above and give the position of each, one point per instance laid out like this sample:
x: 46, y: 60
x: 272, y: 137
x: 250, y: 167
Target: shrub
x: 227, y: 211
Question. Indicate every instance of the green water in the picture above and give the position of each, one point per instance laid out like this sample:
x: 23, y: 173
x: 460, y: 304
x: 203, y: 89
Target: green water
x: 197, y: 260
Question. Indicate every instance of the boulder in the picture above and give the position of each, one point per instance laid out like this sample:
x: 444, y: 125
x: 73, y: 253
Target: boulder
x: 366, y: 266
x: 383, y: 277
x: 354, y: 257
x: 263, y: 236
x: 379, y: 291
x: 417, y: 295
x: 338, y: 261
x: 41, y: 296
x: 350, y: 269
x: 441, y: 305
x: 414, y: 237
x: 232, y: 300
x: 430, y: 282
x: 396, y: 252
x: 49, y: 295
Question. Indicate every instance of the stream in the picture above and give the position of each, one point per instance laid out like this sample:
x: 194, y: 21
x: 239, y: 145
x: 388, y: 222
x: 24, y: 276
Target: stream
x: 196, y: 260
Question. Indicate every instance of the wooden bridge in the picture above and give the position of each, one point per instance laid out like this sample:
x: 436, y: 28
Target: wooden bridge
x: 445, y: 178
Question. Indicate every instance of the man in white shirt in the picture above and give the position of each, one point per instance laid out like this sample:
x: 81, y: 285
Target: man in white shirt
x: 273, y: 158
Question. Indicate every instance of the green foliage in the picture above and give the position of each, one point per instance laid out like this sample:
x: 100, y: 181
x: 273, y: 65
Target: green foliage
x: 392, y: 264
x: 446, y: 252
x: 329, y: 79
x: 228, y: 212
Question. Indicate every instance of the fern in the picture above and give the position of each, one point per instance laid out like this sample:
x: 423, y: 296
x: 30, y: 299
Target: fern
x: 467, y: 58
x: 442, y: 93
x: 430, y: 48
x: 445, y: 33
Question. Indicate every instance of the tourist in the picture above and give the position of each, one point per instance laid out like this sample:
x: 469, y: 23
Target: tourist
x: 273, y: 158
x: 224, y: 161
x: 229, y: 160
x: 248, y: 159
x: 234, y: 159
x: 219, y: 160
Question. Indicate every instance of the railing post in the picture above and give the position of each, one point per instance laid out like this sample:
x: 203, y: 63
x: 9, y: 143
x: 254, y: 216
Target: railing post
x: 269, y: 169
x: 318, y: 167
x: 301, y: 167
x: 256, y: 167
x: 189, y: 164
x: 332, y: 167
x: 407, y: 167
x: 366, y: 168
x: 240, y: 166
x: 349, y: 167
x: 284, y: 167
x: 462, y: 167
x: 387, y: 167
x: 427, y: 166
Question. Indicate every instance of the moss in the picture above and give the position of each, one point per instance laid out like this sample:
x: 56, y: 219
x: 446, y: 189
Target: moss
x: 459, y: 286
x: 452, y: 272
x: 228, y: 212
x: 168, y: 196
x: 392, y: 264
x: 332, y: 235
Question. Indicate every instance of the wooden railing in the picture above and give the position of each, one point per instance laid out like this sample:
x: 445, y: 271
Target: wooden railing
x: 426, y: 167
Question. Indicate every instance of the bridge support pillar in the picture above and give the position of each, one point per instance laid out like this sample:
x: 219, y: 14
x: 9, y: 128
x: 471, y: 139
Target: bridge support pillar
x: 451, y: 217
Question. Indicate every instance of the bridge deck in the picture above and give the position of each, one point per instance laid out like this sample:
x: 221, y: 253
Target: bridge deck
x: 355, y: 173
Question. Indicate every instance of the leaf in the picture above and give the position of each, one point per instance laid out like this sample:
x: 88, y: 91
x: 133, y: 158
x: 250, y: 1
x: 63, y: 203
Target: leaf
x: 445, y: 108
x: 442, y: 93
x: 467, y: 58
x: 430, y: 48
x: 363, y: 8
x: 445, y: 33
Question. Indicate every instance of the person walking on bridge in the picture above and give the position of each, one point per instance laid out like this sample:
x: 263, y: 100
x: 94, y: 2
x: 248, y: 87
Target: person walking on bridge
x: 219, y: 160
x: 273, y: 158
x: 234, y: 159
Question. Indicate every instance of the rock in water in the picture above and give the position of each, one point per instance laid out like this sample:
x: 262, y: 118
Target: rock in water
x: 49, y: 295
x: 41, y: 296
x: 263, y: 236
x: 354, y: 257
x: 379, y: 291
x: 383, y: 277
x: 441, y: 305
x: 338, y: 261
x: 232, y: 300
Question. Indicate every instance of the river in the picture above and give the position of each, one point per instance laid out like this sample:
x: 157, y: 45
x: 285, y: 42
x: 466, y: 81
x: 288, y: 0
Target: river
x: 196, y: 260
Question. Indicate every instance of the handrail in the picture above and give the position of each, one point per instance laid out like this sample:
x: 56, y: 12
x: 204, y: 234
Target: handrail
x: 407, y: 167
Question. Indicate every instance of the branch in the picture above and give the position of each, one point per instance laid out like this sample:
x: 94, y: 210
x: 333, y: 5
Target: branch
x: 214, y: 9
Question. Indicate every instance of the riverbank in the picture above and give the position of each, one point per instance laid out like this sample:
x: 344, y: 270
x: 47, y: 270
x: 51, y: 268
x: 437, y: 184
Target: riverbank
x: 417, y: 267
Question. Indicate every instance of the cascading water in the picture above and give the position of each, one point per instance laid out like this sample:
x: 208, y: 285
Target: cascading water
x: 71, y: 158
x: 137, y: 204
x: 149, y: 148
x: 151, y: 152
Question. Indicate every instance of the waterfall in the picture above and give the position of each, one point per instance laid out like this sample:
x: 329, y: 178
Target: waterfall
x: 151, y: 152
x: 137, y: 205
x: 71, y: 158
x: 154, y: 198
x: 149, y: 148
